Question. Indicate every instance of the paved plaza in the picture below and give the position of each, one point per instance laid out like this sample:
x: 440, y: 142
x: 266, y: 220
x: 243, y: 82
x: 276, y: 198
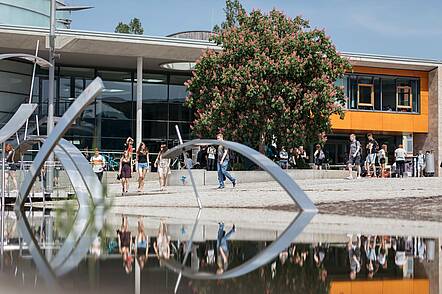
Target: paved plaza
x: 271, y: 195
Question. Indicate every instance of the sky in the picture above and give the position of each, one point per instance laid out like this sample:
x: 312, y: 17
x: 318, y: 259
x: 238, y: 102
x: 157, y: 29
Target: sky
x: 407, y: 28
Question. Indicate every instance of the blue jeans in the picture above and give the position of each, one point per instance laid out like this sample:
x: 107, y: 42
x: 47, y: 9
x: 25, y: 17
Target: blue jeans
x: 222, y: 171
x: 221, y: 241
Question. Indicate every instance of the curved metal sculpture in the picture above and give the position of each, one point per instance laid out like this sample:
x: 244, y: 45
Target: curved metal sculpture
x: 306, y: 206
x: 19, y: 118
x: 86, y: 184
x: 12, y: 126
x: 85, y: 98
x: 38, y: 60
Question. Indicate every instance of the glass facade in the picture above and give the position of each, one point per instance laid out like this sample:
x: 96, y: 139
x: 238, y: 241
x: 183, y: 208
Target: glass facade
x: 15, y: 83
x: 112, y: 117
x: 382, y: 93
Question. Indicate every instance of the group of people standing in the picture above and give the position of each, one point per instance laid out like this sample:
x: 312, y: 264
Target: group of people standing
x: 374, y: 151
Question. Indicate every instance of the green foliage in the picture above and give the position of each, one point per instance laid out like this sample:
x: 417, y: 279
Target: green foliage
x: 134, y: 27
x: 122, y: 28
x: 233, y: 10
x: 274, y: 80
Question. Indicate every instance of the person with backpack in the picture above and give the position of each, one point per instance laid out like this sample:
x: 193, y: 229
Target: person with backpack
x: 319, y: 157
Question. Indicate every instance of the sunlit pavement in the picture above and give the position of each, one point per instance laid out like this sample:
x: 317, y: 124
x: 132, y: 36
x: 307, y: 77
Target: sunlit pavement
x: 270, y: 194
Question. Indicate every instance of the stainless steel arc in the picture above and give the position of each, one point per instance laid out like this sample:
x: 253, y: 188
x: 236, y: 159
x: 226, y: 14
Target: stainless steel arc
x: 306, y: 206
x: 86, y: 184
x: 295, y: 192
x: 85, y: 98
x: 19, y: 118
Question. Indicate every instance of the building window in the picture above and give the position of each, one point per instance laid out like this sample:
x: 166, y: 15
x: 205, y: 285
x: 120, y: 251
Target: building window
x: 404, y: 97
x: 365, y: 95
x: 382, y: 93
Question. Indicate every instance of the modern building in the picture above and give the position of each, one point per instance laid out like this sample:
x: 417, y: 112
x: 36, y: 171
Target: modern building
x: 398, y: 99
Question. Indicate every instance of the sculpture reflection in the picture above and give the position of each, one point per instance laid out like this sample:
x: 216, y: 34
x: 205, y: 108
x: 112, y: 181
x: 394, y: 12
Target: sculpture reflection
x: 301, y: 219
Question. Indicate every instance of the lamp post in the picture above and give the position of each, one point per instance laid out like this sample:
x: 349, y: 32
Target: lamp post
x: 51, y: 81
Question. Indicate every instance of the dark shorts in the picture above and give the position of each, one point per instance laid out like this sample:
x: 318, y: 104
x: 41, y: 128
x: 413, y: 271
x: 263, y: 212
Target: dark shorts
x: 319, y: 161
x: 354, y: 160
x: 382, y: 161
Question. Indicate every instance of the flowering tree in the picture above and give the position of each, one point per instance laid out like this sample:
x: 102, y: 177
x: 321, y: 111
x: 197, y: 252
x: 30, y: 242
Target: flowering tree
x: 274, y: 81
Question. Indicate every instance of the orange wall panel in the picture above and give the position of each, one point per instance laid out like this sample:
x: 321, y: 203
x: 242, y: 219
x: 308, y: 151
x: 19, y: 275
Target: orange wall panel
x: 421, y: 286
x: 366, y: 121
x: 372, y: 287
x: 340, y: 288
x: 398, y: 286
x: 405, y: 286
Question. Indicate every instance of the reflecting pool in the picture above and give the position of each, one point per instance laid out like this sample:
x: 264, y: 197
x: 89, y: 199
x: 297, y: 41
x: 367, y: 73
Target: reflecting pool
x: 145, y: 253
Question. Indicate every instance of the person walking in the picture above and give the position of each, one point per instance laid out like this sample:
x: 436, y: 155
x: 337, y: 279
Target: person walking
x: 98, y: 163
x: 163, y: 166
x: 399, y: 155
x: 142, y: 157
x: 370, y: 161
x: 223, y: 164
x: 420, y: 163
x: 12, y: 167
x: 354, y: 157
x: 383, y: 159
x: 211, y: 160
x: 319, y: 157
x: 125, y: 171
x: 130, y: 149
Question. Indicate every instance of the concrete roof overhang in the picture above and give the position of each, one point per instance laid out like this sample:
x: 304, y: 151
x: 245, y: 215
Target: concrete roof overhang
x: 104, y: 49
x: 393, y: 62
x: 110, y: 50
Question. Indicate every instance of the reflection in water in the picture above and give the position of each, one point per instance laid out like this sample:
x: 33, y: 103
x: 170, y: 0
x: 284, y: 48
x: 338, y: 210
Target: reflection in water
x: 162, y: 245
x: 125, y: 244
x: 319, y: 266
x: 222, y: 248
x: 142, y: 245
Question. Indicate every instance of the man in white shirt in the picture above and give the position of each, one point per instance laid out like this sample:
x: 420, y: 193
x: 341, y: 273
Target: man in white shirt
x: 98, y: 163
x: 400, y: 155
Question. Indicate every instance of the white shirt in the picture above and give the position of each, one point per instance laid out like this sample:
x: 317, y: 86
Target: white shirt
x: 400, y: 154
x: 98, y: 163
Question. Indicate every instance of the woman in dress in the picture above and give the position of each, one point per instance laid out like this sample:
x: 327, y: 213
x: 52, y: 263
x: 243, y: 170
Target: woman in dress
x: 125, y: 171
x: 163, y: 165
x: 11, y: 166
x: 142, y: 245
x: 125, y: 244
x: 143, y: 164
x: 162, y: 245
